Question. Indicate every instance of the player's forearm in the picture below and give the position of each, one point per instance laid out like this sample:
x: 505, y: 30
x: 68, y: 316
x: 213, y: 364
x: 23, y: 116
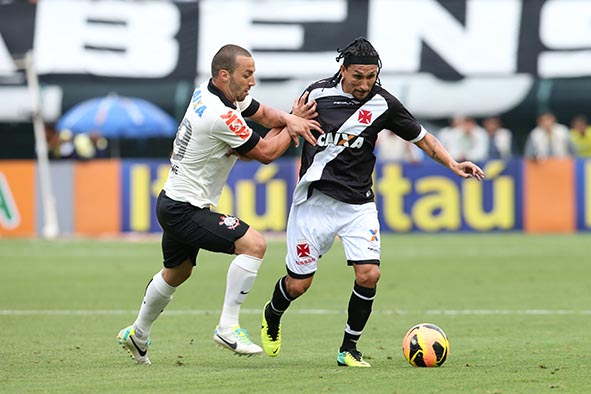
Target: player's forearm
x: 433, y: 148
x: 271, y: 147
x: 270, y: 117
x: 273, y: 132
x: 279, y: 141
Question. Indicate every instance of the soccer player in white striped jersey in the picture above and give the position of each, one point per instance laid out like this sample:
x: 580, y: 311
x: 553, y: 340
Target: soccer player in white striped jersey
x: 334, y: 195
x: 211, y: 135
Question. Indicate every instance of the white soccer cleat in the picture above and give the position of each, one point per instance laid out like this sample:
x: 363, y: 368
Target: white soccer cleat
x: 137, y: 348
x: 237, y: 340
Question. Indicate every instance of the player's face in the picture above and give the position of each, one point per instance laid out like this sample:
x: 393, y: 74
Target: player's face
x: 358, y: 79
x: 242, y: 79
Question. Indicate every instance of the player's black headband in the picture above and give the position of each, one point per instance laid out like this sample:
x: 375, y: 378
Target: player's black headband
x: 361, y: 60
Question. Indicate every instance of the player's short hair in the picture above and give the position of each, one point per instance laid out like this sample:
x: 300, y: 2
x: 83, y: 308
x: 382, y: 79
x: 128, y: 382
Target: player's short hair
x: 225, y: 58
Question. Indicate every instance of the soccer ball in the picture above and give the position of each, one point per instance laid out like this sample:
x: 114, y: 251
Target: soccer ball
x: 425, y: 345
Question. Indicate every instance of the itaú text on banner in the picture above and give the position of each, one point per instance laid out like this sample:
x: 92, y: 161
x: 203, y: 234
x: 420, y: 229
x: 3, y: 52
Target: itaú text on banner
x: 112, y: 196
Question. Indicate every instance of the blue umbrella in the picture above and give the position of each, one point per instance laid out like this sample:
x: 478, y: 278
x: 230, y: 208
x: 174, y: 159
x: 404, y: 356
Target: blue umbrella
x: 116, y: 116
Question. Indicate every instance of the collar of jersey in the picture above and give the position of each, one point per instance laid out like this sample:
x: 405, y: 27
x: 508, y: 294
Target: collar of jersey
x: 214, y: 90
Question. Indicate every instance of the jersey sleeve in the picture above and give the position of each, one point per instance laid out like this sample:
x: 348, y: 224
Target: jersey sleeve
x: 248, y: 106
x: 403, y: 123
x: 231, y: 128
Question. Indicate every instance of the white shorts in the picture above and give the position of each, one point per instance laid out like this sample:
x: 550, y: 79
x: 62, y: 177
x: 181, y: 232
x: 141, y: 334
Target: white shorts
x: 313, y: 225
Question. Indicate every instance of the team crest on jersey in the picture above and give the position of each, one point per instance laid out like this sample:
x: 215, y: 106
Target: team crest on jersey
x: 231, y: 222
x: 303, y: 249
x: 364, y: 116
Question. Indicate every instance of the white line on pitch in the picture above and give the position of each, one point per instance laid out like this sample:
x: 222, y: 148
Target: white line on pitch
x: 451, y: 312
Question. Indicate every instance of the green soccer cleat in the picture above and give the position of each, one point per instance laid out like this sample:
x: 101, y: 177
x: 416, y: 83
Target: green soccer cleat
x: 352, y: 358
x: 270, y: 335
x: 137, y: 348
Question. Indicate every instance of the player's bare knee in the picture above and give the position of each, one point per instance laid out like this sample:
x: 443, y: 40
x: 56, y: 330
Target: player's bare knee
x: 368, y: 278
x: 252, y: 243
x: 297, y: 287
x: 177, y: 275
x: 257, y: 246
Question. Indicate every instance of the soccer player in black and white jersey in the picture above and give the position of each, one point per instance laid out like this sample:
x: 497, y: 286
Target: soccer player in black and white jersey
x: 334, y: 195
x: 211, y: 135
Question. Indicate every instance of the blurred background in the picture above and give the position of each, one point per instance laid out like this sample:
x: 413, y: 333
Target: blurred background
x: 91, y: 93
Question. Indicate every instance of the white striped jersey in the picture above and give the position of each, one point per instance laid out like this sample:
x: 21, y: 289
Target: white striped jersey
x: 342, y: 162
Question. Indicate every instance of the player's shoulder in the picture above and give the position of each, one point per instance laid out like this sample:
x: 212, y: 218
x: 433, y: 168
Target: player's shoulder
x: 380, y: 90
x: 206, y: 105
x: 390, y: 98
x: 323, y: 83
x: 324, y: 88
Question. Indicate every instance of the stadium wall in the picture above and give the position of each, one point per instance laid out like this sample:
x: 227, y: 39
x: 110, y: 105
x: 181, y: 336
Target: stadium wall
x: 114, y: 197
x: 441, y: 58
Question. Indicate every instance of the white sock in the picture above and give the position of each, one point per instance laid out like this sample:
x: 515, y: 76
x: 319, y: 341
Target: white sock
x: 241, y: 276
x: 158, y: 295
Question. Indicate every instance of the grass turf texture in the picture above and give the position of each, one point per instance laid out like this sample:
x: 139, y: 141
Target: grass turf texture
x: 516, y: 308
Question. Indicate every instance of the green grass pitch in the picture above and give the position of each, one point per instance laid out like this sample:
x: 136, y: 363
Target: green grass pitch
x: 516, y: 308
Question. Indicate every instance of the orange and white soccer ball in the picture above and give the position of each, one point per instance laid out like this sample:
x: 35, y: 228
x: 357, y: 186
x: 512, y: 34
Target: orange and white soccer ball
x: 425, y: 345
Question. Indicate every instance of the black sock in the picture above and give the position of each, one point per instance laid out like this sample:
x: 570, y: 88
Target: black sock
x: 279, y: 302
x: 358, y: 313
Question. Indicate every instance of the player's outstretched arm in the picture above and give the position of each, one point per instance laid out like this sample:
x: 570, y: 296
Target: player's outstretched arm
x: 278, y: 139
x: 275, y: 143
x: 433, y: 148
x: 296, y: 126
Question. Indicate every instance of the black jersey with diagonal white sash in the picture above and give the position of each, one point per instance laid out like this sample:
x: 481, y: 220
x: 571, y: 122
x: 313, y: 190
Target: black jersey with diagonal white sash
x: 342, y: 162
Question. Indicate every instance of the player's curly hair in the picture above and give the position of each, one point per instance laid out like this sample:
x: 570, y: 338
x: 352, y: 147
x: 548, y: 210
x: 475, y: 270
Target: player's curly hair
x: 358, y: 48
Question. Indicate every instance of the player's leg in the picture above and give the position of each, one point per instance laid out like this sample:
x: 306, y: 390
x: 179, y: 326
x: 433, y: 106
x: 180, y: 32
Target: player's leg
x: 241, y: 275
x: 360, y: 237
x: 358, y: 312
x: 230, y: 235
x: 287, y: 289
x: 179, y: 259
x: 158, y: 294
x: 240, y: 278
x: 309, y: 235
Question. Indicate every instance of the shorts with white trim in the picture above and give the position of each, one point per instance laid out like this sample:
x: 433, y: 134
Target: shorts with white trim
x: 313, y: 225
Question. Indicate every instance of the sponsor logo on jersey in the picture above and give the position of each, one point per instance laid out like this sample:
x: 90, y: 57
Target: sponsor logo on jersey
x: 197, y: 103
x: 374, y: 235
x: 345, y: 102
x: 346, y: 140
x: 236, y: 125
x: 373, y: 250
x: 364, y: 116
x: 231, y: 222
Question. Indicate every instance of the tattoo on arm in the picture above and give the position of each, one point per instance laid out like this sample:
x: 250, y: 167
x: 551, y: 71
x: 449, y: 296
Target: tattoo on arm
x: 434, y: 152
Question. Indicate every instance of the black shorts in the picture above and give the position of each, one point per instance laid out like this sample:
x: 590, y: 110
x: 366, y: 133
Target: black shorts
x: 186, y: 229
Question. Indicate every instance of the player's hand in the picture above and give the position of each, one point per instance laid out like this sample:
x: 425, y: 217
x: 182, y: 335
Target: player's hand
x: 303, y: 109
x: 233, y: 152
x: 467, y: 169
x: 297, y: 126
